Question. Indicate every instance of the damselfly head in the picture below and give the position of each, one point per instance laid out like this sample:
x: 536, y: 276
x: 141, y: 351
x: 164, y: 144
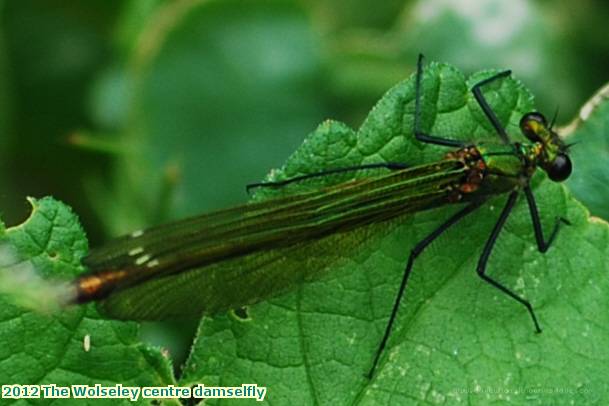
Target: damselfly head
x: 552, y: 157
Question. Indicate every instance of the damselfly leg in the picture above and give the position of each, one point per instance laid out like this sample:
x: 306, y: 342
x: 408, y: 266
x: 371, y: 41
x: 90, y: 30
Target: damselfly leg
x: 488, y: 111
x: 486, y: 253
x: 414, y: 253
x: 418, y: 133
x: 542, y: 244
x: 477, y: 91
x: 334, y: 171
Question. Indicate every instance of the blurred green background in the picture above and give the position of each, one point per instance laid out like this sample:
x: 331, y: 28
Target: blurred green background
x: 137, y: 112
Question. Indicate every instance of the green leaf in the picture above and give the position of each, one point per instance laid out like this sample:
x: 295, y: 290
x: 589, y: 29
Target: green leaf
x: 457, y: 339
x: 590, y: 153
x: 39, y: 349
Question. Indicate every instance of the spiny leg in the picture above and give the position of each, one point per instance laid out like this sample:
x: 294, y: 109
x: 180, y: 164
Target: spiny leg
x: 414, y: 253
x: 486, y: 252
x: 542, y: 244
x: 490, y: 114
x: 420, y: 135
x: 383, y: 165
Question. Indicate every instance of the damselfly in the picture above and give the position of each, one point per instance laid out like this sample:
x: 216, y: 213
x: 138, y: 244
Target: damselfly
x: 208, y: 264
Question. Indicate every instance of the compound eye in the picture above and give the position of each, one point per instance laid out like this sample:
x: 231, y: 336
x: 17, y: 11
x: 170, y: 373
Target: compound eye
x: 560, y: 169
x: 531, y: 125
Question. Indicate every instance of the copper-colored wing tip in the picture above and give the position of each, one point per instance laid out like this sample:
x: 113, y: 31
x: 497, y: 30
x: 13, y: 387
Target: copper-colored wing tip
x: 97, y: 286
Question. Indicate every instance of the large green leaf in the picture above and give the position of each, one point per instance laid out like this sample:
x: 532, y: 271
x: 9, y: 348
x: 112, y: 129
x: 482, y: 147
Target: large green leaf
x: 458, y: 340
x: 39, y: 349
